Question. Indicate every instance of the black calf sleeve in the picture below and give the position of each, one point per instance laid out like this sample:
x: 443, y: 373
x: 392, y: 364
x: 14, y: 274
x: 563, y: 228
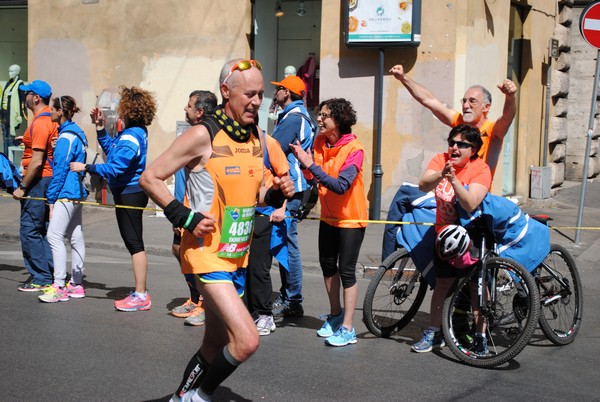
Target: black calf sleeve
x: 221, y: 368
x: 195, y: 368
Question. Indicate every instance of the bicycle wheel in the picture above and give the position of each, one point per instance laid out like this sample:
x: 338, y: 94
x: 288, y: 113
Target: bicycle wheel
x: 561, y: 298
x: 510, y: 318
x: 394, y: 295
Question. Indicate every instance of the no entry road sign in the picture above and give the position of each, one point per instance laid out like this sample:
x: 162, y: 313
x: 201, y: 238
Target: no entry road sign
x: 589, y: 24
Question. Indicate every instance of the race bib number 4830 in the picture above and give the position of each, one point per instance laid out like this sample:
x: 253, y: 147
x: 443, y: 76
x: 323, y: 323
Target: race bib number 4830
x: 238, y: 224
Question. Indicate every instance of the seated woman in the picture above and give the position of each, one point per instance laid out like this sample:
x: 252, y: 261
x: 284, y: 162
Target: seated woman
x: 447, y: 175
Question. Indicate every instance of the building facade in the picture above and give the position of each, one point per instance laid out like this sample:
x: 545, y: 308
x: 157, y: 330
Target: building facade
x: 82, y: 47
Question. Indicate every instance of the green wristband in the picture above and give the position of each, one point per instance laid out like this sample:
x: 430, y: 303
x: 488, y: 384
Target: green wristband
x: 189, y: 220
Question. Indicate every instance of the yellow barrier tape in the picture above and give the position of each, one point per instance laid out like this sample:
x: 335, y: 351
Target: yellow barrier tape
x: 382, y: 222
x: 97, y: 204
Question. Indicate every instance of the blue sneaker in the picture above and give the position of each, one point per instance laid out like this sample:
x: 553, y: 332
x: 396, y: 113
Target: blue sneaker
x: 331, y: 324
x: 431, y: 339
x: 341, y: 337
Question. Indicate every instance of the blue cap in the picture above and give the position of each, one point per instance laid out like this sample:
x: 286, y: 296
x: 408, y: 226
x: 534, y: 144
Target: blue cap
x: 38, y: 87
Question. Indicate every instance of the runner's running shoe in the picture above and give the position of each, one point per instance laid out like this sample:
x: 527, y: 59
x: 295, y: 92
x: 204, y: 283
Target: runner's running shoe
x: 341, y: 337
x: 54, y: 294
x: 185, y: 310
x: 75, y: 291
x: 265, y: 325
x: 196, y: 317
x: 133, y: 303
x: 332, y: 324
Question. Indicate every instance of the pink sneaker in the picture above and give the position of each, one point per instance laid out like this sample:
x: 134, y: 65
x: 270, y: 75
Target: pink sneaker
x: 133, y: 303
x: 54, y: 294
x: 75, y: 291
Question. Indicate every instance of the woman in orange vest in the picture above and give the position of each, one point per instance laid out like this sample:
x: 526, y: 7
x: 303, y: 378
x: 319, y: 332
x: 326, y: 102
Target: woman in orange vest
x: 337, y: 166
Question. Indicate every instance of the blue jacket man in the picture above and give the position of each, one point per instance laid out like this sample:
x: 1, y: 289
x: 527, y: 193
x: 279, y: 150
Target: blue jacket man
x: 293, y: 125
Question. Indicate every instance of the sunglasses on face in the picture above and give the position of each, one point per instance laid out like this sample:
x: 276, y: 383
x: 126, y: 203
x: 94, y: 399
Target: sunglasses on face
x: 459, y: 144
x: 243, y: 65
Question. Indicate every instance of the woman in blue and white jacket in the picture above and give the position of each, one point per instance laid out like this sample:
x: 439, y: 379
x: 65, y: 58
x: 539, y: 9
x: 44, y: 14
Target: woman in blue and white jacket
x: 65, y: 189
x: 126, y: 160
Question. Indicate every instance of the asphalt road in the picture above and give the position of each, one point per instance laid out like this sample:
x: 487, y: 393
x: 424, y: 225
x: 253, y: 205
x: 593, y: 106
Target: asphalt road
x: 83, y: 350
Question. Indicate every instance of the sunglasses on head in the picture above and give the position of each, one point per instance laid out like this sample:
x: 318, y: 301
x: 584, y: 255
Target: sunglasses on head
x: 459, y: 144
x: 243, y: 65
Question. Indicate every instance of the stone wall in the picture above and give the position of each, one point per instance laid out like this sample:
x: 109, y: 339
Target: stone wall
x: 576, y: 68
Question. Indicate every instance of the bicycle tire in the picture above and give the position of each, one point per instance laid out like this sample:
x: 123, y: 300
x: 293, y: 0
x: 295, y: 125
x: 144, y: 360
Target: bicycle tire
x: 509, y: 324
x: 386, y: 307
x: 561, y: 307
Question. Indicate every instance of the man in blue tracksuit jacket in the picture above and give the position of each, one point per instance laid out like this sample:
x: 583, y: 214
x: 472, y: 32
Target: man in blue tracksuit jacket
x: 293, y: 125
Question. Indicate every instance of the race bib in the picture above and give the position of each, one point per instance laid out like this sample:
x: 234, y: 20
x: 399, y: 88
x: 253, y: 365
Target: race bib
x: 238, y: 224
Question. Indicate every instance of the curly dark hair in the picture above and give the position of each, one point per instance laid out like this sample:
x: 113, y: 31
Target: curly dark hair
x: 342, y: 113
x: 137, y: 107
x: 469, y: 134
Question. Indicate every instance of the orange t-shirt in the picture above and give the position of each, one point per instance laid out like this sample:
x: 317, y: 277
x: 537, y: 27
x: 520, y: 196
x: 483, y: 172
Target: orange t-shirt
x: 44, y: 130
x: 475, y: 171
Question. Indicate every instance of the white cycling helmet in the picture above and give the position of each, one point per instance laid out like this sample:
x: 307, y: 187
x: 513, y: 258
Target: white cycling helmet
x: 452, y: 241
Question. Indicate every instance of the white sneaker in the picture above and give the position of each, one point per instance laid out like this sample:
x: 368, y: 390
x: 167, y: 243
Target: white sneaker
x: 265, y: 325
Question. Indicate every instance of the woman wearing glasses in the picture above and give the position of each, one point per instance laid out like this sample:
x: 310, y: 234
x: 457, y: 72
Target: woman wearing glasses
x: 447, y: 175
x: 126, y: 160
x: 337, y: 166
x: 65, y: 189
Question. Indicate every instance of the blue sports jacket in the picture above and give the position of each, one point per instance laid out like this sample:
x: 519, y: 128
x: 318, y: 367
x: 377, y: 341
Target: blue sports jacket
x: 294, y: 124
x: 126, y: 159
x: 9, y: 174
x: 70, y: 147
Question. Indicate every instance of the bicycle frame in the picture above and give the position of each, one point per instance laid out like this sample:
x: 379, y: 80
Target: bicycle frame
x: 564, y: 286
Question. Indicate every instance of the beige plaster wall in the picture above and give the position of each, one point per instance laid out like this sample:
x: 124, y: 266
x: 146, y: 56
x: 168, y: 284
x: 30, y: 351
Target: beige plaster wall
x: 463, y: 43
x: 538, y: 28
x: 167, y: 47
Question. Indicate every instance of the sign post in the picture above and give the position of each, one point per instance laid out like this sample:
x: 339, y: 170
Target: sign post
x: 589, y: 26
x: 383, y: 24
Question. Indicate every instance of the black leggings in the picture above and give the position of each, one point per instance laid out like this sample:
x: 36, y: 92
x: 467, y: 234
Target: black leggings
x: 130, y: 220
x: 343, y: 244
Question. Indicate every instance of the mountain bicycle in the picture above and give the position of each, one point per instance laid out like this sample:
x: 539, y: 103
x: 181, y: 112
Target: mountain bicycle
x: 503, y: 298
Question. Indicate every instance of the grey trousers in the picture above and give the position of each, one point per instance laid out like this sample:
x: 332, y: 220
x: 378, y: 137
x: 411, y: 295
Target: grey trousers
x: 66, y: 222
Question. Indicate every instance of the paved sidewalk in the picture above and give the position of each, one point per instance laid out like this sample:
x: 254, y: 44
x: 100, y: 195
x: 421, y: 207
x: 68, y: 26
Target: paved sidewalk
x: 100, y: 229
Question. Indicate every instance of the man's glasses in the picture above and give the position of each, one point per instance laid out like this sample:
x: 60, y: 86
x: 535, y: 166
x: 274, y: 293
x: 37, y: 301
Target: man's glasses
x: 323, y: 115
x: 30, y: 93
x: 459, y: 144
x: 471, y: 101
x: 243, y: 65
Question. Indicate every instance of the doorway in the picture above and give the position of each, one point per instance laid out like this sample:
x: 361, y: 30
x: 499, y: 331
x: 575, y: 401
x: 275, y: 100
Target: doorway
x: 288, y: 40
